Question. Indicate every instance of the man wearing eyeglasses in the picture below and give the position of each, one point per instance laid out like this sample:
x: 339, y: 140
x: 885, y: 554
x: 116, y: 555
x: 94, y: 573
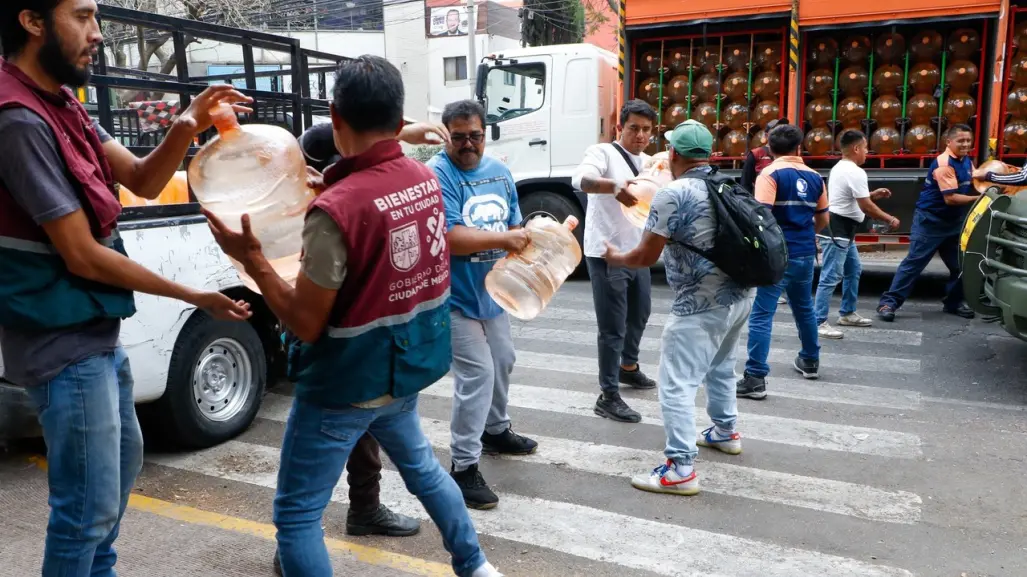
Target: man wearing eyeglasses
x: 483, y: 222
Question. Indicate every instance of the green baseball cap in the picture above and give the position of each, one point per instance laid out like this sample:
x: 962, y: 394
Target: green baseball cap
x: 691, y: 139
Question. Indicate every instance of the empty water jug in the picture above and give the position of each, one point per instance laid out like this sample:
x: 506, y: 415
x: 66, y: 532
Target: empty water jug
x: 654, y: 176
x: 258, y: 170
x: 524, y: 283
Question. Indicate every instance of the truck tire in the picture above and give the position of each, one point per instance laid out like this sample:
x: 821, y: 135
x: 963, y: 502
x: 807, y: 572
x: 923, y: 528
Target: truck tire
x: 558, y: 207
x: 216, y: 382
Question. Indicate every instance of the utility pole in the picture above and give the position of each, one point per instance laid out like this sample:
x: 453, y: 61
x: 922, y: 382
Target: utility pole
x: 472, y: 59
x: 317, y: 44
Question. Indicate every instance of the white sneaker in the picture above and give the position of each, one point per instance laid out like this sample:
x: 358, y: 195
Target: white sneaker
x: 782, y: 300
x: 828, y: 332
x: 665, y: 479
x: 854, y: 320
x: 486, y: 570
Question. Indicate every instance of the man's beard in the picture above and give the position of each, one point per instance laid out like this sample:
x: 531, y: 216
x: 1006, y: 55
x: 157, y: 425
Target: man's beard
x: 56, y: 63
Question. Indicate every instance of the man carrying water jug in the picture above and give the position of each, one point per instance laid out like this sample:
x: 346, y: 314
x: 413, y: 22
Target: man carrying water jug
x: 707, y: 317
x: 483, y: 220
x: 66, y: 280
x: 370, y: 306
x: 621, y: 295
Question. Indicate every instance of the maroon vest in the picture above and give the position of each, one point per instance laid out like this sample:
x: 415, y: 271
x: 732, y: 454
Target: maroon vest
x: 389, y: 208
x: 763, y: 158
x: 79, y: 146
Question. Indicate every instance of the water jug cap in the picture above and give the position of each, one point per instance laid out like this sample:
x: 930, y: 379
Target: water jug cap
x: 224, y: 117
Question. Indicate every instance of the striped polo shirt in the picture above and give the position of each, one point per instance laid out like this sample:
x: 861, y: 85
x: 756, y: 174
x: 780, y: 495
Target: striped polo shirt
x: 794, y: 192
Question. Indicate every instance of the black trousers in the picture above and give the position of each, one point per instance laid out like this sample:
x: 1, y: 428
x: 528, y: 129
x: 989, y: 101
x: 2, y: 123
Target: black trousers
x: 623, y: 301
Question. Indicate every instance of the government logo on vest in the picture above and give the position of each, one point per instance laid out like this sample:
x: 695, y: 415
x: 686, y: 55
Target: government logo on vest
x: 406, y: 246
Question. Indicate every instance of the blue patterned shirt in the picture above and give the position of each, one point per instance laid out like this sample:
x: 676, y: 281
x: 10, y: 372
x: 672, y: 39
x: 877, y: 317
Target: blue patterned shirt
x: 682, y: 214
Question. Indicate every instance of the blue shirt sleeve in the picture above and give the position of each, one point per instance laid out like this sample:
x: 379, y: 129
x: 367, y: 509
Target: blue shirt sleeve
x: 452, y: 196
x: 515, y: 205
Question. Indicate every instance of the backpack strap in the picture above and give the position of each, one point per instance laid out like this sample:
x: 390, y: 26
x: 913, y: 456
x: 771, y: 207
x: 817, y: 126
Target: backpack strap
x: 624, y: 155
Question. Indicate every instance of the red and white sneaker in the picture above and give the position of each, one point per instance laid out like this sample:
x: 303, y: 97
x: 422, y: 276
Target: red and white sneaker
x: 665, y: 479
x: 731, y: 445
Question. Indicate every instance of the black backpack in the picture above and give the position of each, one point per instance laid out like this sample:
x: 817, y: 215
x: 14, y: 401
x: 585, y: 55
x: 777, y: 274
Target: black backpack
x: 748, y: 245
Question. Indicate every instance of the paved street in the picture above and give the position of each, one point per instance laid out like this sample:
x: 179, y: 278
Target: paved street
x: 905, y: 458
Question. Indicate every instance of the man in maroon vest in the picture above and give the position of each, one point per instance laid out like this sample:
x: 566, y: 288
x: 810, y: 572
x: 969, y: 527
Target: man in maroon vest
x: 65, y: 279
x: 370, y: 307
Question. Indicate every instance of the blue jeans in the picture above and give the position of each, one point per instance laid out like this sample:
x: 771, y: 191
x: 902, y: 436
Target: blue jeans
x: 697, y: 348
x: 925, y: 239
x: 841, y: 264
x: 94, y: 452
x: 315, y: 449
x: 798, y: 284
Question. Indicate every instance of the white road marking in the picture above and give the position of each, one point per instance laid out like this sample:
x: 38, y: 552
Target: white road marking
x: 577, y: 530
x: 791, y: 388
x: 814, y: 493
x: 781, y: 327
x: 785, y: 431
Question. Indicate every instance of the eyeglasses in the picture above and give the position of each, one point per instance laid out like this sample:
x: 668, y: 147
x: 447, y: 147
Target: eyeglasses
x: 459, y: 138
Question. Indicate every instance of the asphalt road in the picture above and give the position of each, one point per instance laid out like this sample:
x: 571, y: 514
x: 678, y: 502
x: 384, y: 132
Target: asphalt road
x: 905, y: 458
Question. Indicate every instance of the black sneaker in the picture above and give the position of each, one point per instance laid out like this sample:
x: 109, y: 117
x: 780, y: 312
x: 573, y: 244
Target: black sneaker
x: 962, y: 310
x: 381, y: 521
x: 886, y: 313
x: 636, y: 379
x: 277, y: 563
x: 808, y: 367
x: 477, y: 494
x: 507, y: 443
x: 613, y: 407
x: 750, y: 387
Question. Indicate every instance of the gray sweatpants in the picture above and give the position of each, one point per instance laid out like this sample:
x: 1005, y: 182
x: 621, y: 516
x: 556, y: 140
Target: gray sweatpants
x: 483, y: 358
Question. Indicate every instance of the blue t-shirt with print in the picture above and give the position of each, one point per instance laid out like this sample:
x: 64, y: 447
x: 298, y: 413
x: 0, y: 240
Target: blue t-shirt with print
x: 486, y: 199
x: 681, y: 213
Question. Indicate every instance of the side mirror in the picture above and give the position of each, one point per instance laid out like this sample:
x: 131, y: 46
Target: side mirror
x: 495, y: 131
x: 480, y: 80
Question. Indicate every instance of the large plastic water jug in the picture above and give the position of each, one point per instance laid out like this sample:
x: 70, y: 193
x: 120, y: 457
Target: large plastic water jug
x: 655, y: 175
x: 524, y: 283
x: 256, y: 169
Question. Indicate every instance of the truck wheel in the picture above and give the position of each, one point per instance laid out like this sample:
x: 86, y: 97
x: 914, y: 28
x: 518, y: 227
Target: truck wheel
x: 557, y: 207
x: 216, y: 382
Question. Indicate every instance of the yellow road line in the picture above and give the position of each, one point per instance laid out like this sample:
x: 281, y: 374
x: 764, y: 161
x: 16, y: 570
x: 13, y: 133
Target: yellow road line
x: 361, y: 553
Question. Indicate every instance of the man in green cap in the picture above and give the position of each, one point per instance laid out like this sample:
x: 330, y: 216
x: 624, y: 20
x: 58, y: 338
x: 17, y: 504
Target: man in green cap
x: 707, y: 317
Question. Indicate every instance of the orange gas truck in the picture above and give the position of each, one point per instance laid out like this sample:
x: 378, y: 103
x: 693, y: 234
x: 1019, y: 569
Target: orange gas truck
x: 899, y: 70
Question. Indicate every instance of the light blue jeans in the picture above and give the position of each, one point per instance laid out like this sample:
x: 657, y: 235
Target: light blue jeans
x: 94, y: 451
x: 696, y: 348
x: 841, y: 264
x: 317, y: 444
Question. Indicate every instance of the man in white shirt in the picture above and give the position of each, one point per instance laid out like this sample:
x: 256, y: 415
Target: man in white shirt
x: 621, y: 295
x: 850, y: 200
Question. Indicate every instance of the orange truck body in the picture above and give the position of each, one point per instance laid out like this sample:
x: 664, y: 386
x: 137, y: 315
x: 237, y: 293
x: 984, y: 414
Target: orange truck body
x: 793, y: 29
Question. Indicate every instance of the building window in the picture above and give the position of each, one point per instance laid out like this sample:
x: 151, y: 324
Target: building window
x: 509, y: 78
x: 456, y: 68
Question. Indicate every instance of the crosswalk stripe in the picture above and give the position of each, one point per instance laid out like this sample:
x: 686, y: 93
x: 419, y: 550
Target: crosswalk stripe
x: 780, y: 430
x: 910, y: 311
x: 781, y: 328
x: 819, y: 391
x: 565, y: 527
x: 813, y: 493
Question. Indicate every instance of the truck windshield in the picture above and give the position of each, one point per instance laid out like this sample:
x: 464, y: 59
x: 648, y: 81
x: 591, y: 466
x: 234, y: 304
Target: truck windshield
x: 515, y: 90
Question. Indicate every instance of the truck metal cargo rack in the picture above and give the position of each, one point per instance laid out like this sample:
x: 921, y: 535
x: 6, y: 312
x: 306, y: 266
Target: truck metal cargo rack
x: 307, y: 71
